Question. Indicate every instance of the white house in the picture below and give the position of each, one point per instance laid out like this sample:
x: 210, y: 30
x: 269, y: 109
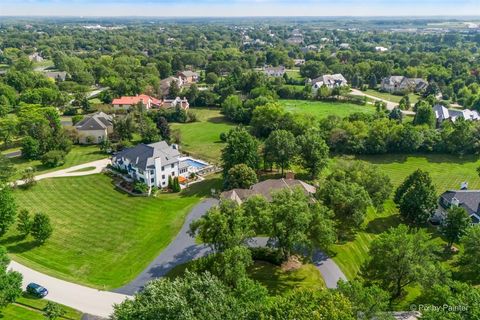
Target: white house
x: 442, y: 114
x: 330, y: 81
x: 275, y: 71
x: 381, y: 49
x: 154, y: 163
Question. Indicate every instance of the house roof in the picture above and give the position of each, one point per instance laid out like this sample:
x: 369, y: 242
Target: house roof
x: 330, y: 79
x: 442, y: 113
x: 189, y: 73
x: 266, y: 188
x: 143, y: 155
x: 133, y: 100
x: 97, y: 121
x: 468, y: 199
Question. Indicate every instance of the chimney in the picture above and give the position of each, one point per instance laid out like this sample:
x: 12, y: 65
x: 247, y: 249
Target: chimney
x: 290, y: 175
x: 464, y: 186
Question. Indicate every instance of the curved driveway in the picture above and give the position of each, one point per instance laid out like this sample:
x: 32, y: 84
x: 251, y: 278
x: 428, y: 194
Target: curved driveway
x: 184, y: 249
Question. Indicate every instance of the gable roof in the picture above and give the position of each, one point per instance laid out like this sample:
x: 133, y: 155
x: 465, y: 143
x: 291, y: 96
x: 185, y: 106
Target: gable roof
x: 468, y: 199
x: 188, y: 73
x: 133, y: 100
x: 266, y: 188
x: 330, y: 79
x: 143, y: 155
x: 97, y: 121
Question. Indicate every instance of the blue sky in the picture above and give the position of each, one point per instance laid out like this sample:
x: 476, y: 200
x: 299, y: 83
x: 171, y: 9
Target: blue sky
x: 180, y: 8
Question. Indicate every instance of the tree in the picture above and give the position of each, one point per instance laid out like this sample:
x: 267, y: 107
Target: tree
x: 372, y: 81
x: 8, y: 209
x: 124, y: 127
x: 170, y: 183
x: 30, y: 148
x: 7, y: 169
x: 233, y: 109
x: 470, y: 257
x: 24, y: 223
x: 8, y: 128
x: 53, y: 158
x: 211, y: 78
x: 313, y: 152
x: 240, y: 176
x: 173, y: 90
x: 28, y: 178
x: 241, y: 147
x: 164, y: 128
x: 176, y: 185
x: 416, y: 198
x: 41, y: 227
x: 424, y: 115
x: 455, y: 224
x: 280, y: 148
x: 404, y: 103
x: 266, y: 119
x: 223, y: 227
x: 231, y: 265
x: 148, y: 130
x: 10, y: 281
x: 396, y: 114
x: 53, y: 311
x: 398, y: 258
x: 193, y: 296
x: 368, y: 301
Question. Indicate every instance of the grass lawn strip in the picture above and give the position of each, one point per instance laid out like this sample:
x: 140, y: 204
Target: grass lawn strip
x: 321, y: 109
x: 102, y: 237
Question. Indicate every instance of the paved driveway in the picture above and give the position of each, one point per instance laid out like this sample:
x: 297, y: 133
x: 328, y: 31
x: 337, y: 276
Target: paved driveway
x: 390, y: 104
x: 82, y: 298
x: 184, y: 249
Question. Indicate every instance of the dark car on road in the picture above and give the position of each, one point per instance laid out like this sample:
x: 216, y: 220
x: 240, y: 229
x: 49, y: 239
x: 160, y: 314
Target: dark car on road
x: 37, y: 290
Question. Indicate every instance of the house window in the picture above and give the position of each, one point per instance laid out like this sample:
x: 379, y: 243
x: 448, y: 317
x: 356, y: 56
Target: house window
x: 152, y: 172
x: 163, y: 176
x: 173, y: 165
x: 152, y: 180
x: 163, y: 168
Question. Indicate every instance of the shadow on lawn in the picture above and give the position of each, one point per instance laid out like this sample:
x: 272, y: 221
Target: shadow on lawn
x: 382, y: 224
x: 431, y: 158
x: 18, y: 244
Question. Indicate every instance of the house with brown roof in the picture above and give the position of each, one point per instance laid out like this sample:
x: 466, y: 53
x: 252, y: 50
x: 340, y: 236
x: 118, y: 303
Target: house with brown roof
x: 188, y: 77
x: 267, y: 188
x: 126, y: 102
x: 94, y: 128
x: 167, y: 82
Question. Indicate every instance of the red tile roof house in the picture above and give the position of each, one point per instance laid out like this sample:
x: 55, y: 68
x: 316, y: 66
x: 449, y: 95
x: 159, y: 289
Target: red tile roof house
x: 125, y: 103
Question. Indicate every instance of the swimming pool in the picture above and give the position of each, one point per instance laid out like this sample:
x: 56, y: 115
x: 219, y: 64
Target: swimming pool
x: 195, y: 164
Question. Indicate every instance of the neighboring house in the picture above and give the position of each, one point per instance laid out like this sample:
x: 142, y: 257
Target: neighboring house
x: 299, y: 62
x: 177, y: 102
x: 56, y: 75
x: 167, y: 82
x: 154, y: 163
x: 266, y: 188
x: 442, y: 114
x: 464, y: 198
x: 94, y: 128
x: 188, y: 77
x: 401, y: 84
x: 35, y: 57
x: 125, y: 103
x: 344, y: 46
x: 275, y: 71
x: 330, y: 81
x: 381, y: 49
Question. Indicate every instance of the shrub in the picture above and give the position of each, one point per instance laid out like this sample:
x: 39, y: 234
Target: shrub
x: 53, y: 158
x: 77, y: 118
x: 140, y: 187
x: 41, y: 227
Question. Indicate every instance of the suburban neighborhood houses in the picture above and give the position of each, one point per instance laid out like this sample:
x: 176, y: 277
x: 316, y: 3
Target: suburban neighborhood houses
x: 245, y: 165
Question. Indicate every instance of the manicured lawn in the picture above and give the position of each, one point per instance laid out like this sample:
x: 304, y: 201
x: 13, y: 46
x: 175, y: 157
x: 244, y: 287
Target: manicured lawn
x: 279, y: 281
x: 447, y: 172
x: 294, y: 74
x: 102, y: 237
x: 202, y: 138
x: 391, y: 97
x: 322, y: 109
x: 31, y: 308
x: 78, y: 155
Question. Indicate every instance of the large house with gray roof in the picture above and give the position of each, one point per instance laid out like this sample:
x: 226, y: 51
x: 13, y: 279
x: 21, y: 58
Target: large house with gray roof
x: 266, y: 188
x: 464, y: 198
x: 94, y: 128
x: 401, y: 84
x: 443, y: 114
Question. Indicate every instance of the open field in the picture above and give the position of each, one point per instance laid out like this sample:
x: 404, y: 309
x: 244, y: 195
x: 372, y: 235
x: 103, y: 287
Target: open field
x: 202, y: 138
x: 391, y: 97
x: 102, y: 237
x: 31, y: 308
x: 321, y: 109
x: 447, y: 172
x: 78, y: 155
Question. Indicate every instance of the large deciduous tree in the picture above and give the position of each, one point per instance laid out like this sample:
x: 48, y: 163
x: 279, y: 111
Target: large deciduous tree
x: 313, y: 152
x: 240, y: 176
x: 416, y: 198
x: 470, y: 257
x: 8, y: 209
x: 280, y: 148
x: 455, y: 224
x: 10, y: 281
x: 241, y: 147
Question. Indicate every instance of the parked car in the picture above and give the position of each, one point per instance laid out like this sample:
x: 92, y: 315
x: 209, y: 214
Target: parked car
x: 37, y: 290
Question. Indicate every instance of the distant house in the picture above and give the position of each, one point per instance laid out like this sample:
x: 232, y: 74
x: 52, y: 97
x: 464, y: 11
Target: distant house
x: 154, y: 163
x: 266, y: 188
x: 167, y: 82
x: 177, y: 102
x: 56, y: 75
x: 35, y: 57
x: 443, y: 114
x: 299, y: 62
x: 463, y: 198
x: 401, y: 84
x: 94, y: 128
x: 188, y: 77
x: 329, y: 80
x: 344, y: 46
x: 126, y: 102
x: 275, y: 71
x: 381, y: 49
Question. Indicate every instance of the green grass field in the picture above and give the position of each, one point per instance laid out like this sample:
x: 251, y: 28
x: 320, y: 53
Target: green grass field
x: 447, y: 172
x: 202, y: 138
x: 322, y: 109
x: 31, y: 308
x: 102, y: 237
x: 78, y: 155
x: 391, y: 97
